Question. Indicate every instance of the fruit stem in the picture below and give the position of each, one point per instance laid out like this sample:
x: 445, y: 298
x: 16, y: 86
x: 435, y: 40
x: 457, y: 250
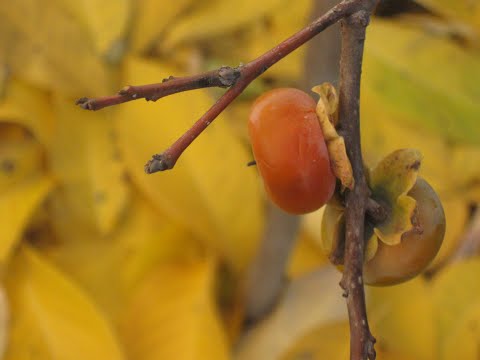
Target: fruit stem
x: 376, y: 212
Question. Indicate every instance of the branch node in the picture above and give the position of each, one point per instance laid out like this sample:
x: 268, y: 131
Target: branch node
x: 168, y: 79
x: 359, y: 18
x: 228, y: 75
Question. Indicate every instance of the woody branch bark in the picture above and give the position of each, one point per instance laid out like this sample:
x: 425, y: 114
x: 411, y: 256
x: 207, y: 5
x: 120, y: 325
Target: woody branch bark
x: 353, y: 38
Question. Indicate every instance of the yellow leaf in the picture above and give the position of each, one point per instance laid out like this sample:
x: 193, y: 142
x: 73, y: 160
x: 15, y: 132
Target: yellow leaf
x: 152, y: 17
x: 44, y: 43
x: 172, y: 315
x: 309, y: 302
x: 109, y: 267
x: 332, y: 342
x: 16, y: 207
x: 326, y: 342
x: 441, y: 99
x: 455, y: 291
x: 85, y: 158
x: 216, y: 17
x: 402, y: 318
x: 105, y: 21
x: 467, y: 173
x: 29, y: 107
x: 51, y: 317
x: 19, y: 158
x: 276, y: 25
x: 306, y: 256
x: 211, y: 190
x: 462, y: 340
x: 465, y: 11
x: 456, y: 215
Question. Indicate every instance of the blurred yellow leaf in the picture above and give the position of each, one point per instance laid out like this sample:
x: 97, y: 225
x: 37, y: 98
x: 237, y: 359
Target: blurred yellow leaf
x: 277, y: 25
x: 463, y: 339
x: 216, y: 17
x: 456, y: 291
x: 16, y: 207
x: 152, y: 18
x: 51, y: 317
x: 309, y: 302
x: 19, y: 158
x: 172, y: 315
x: 442, y: 99
x: 105, y: 21
x: 85, y: 158
x: 466, y: 11
x: 4, y: 321
x: 456, y: 214
x: 330, y: 342
x: 306, y: 256
x: 45, y: 44
x: 465, y: 160
x: 210, y: 190
x: 402, y: 318
x: 29, y: 107
x: 143, y: 240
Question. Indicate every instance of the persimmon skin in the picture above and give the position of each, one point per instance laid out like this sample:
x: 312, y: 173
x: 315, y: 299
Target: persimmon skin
x: 290, y: 150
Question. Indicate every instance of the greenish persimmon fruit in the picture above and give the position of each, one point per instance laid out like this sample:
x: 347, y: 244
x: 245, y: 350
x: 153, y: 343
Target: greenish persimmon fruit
x: 393, y: 264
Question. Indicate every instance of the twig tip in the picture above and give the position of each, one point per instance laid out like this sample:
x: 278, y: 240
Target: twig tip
x: 84, y: 103
x: 157, y: 163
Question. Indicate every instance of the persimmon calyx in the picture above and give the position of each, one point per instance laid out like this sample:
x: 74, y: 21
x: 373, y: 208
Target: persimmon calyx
x: 327, y: 112
x: 390, y: 181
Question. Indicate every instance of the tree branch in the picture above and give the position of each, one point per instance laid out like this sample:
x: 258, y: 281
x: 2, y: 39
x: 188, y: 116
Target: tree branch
x: 355, y: 16
x: 353, y: 37
x: 240, y: 78
x: 223, y: 77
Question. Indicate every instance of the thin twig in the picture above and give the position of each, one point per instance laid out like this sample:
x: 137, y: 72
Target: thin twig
x: 224, y: 77
x: 353, y: 37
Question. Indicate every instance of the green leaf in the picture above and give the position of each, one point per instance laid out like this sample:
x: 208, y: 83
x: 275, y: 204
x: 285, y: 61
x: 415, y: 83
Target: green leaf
x: 442, y: 98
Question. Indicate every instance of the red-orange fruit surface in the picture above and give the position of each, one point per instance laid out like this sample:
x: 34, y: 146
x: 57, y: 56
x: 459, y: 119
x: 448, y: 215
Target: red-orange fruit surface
x: 290, y: 150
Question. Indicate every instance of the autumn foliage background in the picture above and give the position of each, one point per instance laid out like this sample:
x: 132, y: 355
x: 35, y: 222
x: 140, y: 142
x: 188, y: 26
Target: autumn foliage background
x: 101, y: 261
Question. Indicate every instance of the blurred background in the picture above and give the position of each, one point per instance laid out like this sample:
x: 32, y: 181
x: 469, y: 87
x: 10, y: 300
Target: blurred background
x: 101, y: 261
